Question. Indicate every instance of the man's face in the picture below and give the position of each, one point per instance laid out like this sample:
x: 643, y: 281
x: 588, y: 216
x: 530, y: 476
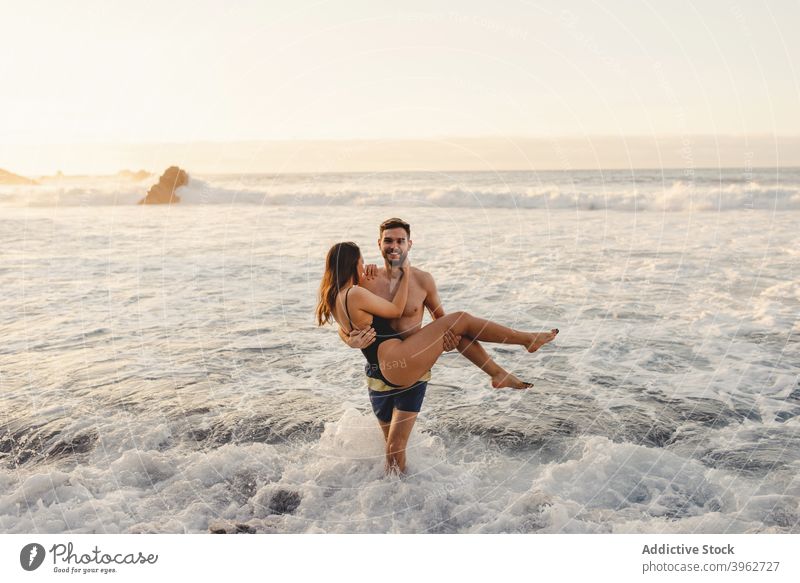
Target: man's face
x: 394, y: 245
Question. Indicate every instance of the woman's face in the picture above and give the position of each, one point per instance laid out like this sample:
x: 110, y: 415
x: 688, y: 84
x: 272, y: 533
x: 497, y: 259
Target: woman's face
x: 360, y: 266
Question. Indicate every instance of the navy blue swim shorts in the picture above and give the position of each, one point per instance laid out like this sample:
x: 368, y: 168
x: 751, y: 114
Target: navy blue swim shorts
x: 410, y: 399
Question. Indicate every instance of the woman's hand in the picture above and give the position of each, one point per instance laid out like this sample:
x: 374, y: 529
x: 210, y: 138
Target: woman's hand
x: 370, y: 271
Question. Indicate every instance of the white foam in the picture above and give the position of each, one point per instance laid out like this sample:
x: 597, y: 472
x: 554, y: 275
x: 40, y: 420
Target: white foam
x: 157, y: 342
x: 341, y: 487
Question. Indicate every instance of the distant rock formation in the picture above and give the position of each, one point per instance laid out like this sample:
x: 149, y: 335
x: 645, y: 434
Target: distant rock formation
x: 7, y: 177
x: 133, y: 176
x: 164, y: 192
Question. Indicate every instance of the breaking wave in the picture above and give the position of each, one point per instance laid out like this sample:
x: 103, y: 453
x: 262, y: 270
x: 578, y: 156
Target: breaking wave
x: 648, y: 192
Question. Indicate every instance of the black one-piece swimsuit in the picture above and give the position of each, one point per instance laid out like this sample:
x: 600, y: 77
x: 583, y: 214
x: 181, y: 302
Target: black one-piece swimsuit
x: 383, y: 332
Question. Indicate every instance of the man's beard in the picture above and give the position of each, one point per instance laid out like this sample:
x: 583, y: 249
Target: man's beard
x: 395, y: 262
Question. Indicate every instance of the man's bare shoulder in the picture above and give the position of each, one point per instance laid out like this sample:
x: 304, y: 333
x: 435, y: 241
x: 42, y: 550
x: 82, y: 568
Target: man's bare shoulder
x: 423, y: 277
x: 360, y: 291
x: 371, y: 283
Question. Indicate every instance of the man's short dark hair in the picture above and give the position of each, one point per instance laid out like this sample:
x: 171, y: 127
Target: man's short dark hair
x: 395, y: 223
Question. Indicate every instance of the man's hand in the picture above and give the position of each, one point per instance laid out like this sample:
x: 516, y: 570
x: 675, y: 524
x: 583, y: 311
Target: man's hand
x: 370, y: 271
x: 450, y: 341
x: 361, y: 338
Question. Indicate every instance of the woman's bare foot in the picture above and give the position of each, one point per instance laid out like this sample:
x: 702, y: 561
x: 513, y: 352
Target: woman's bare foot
x: 506, y: 379
x: 540, y: 339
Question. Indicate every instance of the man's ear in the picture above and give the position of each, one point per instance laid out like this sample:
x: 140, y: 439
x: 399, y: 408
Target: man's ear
x: 410, y: 243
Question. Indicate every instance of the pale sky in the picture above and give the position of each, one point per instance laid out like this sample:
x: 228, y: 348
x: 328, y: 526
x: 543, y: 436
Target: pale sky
x: 106, y: 72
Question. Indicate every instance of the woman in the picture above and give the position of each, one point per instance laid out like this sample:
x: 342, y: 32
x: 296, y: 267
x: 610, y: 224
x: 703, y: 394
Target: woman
x: 399, y: 362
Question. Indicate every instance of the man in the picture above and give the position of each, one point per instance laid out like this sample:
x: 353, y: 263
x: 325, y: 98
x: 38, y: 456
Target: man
x: 397, y: 409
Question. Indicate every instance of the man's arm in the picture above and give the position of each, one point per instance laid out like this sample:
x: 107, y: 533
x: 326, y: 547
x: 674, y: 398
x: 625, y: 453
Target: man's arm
x: 432, y: 301
x: 358, y: 338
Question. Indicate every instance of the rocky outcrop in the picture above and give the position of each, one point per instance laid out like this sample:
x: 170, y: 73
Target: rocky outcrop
x: 7, y: 177
x: 164, y: 192
x: 133, y: 176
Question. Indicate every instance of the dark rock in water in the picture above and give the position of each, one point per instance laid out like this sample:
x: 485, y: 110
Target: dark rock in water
x: 228, y: 528
x: 274, y: 500
x: 794, y: 395
x: 164, y: 192
x: 676, y: 510
x: 284, y: 502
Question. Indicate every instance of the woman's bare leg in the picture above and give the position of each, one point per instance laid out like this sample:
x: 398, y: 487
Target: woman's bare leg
x: 404, y: 362
x: 478, y: 356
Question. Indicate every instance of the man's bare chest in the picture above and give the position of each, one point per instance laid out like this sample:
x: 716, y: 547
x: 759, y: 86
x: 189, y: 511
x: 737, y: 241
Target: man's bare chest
x: 416, y: 294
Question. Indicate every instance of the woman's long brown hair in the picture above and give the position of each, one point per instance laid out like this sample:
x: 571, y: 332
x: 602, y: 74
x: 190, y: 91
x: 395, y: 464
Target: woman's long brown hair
x: 340, y: 266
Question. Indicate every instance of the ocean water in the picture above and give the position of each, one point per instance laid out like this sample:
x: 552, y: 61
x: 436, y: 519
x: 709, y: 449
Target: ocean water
x: 667, y: 190
x: 160, y: 369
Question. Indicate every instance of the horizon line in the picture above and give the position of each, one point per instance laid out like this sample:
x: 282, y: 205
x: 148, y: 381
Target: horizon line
x: 440, y: 171
x: 444, y: 154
